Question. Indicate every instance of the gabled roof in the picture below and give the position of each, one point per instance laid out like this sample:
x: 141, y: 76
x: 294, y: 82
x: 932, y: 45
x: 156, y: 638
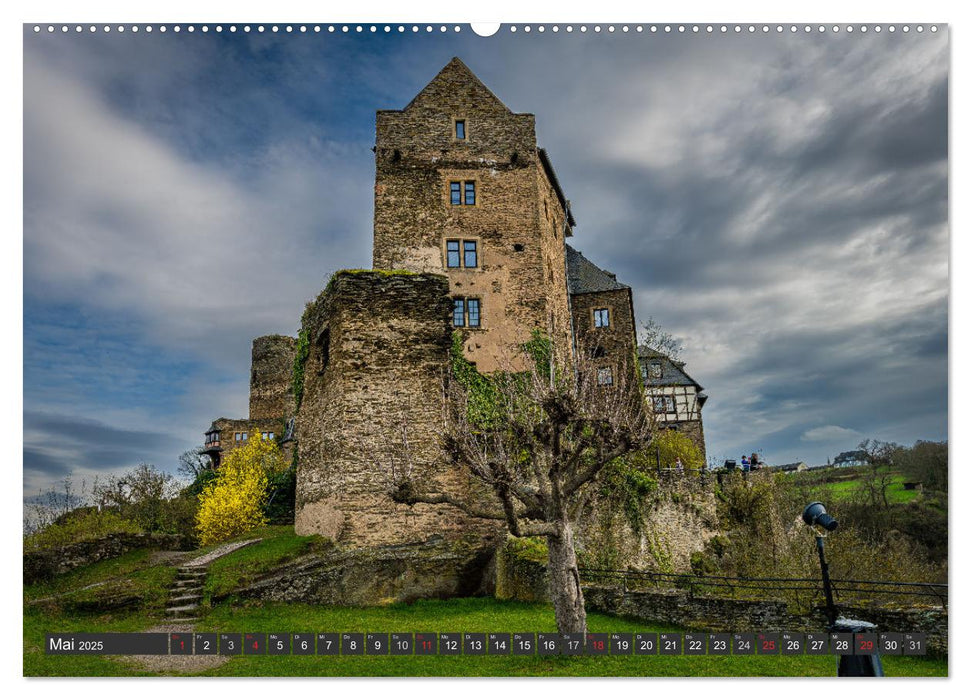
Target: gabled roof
x: 455, y: 70
x: 583, y: 277
x: 672, y: 372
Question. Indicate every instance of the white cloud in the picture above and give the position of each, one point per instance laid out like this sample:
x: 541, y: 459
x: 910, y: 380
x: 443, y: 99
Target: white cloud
x: 116, y: 217
x: 830, y: 433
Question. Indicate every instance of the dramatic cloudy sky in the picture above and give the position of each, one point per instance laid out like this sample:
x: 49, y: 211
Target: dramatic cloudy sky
x: 778, y: 202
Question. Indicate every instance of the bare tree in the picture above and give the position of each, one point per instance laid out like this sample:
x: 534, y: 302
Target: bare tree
x: 539, y: 439
x: 878, y: 453
x: 654, y: 337
x: 877, y: 478
x: 193, y: 464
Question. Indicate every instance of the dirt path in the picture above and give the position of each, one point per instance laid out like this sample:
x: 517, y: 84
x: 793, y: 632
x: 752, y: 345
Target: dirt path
x: 184, y: 598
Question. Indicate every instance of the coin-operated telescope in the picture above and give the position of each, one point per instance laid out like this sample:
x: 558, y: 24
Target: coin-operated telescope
x: 822, y: 523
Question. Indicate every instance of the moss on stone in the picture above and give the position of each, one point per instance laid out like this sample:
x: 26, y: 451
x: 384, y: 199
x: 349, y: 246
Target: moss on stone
x: 521, y: 569
x: 528, y: 548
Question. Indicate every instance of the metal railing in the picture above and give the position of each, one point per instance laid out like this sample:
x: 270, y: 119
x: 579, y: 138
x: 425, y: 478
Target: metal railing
x: 803, y: 590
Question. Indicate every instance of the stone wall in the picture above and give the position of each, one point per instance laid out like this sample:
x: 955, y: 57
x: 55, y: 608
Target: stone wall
x: 270, y: 391
x: 46, y: 564
x: 695, y: 430
x: 520, y: 279
x: 402, y: 573
x: 553, y: 233
x: 712, y: 614
x: 678, y: 521
x: 520, y: 570
x: 229, y: 428
x: 373, y: 406
x: 617, y: 342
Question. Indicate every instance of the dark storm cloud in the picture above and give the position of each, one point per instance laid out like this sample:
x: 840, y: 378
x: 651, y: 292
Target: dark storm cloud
x: 39, y: 462
x: 60, y: 445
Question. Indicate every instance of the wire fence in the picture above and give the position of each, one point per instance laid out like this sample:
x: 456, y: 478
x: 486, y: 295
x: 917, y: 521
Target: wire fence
x: 801, y: 591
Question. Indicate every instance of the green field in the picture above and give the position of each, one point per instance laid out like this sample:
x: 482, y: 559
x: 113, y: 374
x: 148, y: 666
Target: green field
x: 840, y: 485
x: 145, y: 584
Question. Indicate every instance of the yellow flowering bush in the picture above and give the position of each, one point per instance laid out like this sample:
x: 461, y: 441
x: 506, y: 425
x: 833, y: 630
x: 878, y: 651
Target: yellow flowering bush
x: 233, y: 503
x: 672, y: 445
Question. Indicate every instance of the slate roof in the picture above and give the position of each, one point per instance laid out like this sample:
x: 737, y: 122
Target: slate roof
x: 544, y: 159
x: 672, y: 373
x: 583, y: 277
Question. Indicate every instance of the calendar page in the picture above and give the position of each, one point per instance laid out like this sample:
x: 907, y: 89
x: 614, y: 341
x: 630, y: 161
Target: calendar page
x: 529, y: 349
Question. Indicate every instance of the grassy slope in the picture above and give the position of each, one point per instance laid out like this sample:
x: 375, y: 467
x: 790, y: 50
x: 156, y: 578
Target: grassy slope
x: 839, y: 485
x: 462, y: 615
x: 238, y: 568
x: 132, y: 573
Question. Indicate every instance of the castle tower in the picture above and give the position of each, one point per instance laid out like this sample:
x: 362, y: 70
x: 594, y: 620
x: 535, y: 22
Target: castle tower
x: 373, y: 405
x: 461, y: 189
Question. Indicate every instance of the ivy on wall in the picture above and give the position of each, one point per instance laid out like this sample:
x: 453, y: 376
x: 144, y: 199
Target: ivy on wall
x: 483, y: 396
x: 299, y: 362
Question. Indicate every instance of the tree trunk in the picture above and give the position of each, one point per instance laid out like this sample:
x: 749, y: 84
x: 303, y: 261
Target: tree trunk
x: 565, y: 581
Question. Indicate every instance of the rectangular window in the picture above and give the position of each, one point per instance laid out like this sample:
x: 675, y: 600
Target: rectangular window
x: 473, y: 313
x: 664, y: 404
x: 462, y: 192
x: 471, y: 253
x: 655, y: 371
x: 458, y: 313
x: 605, y: 376
x: 460, y: 129
x: 236, y: 437
x: 601, y: 318
x: 466, y: 312
x: 452, y: 254
x: 244, y: 436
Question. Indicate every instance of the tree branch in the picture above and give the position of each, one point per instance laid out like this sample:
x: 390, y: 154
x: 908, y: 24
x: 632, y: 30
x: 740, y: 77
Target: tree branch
x: 405, y: 494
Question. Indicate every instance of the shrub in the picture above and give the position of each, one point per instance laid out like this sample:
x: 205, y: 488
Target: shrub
x: 140, y: 495
x: 81, y: 525
x: 926, y: 462
x: 670, y: 445
x: 234, y: 502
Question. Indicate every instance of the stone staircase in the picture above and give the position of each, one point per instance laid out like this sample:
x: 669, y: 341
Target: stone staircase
x: 185, y: 596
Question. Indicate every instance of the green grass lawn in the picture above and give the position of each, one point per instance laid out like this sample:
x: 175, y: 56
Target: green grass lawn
x: 459, y: 615
x: 835, y: 486
x: 67, y: 609
x: 241, y: 567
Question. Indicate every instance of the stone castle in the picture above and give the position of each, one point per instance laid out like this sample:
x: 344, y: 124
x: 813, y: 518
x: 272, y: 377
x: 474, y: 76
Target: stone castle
x: 470, y: 234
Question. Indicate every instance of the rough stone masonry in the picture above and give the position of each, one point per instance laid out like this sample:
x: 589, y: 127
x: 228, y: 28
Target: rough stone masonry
x: 470, y: 229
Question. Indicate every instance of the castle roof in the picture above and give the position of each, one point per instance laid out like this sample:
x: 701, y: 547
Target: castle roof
x: 456, y: 72
x: 583, y: 277
x: 544, y: 159
x: 672, y: 372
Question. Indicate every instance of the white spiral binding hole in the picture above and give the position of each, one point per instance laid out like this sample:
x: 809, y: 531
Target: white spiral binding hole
x: 489, y: 30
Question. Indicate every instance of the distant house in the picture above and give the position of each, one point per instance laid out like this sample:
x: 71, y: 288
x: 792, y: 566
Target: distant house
x: 792, y: 467
x: 853, y: 458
